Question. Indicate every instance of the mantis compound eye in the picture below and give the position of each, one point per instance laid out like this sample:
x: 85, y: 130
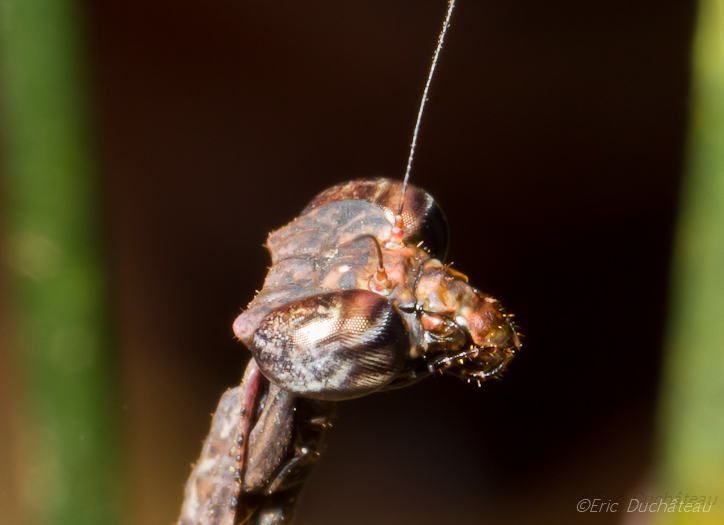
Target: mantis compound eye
x: 332, y: 346
x: 423, y: 218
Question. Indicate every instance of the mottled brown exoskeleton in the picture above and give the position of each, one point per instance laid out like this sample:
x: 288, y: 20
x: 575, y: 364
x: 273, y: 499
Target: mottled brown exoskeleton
x: 351, y: 305
x: 327, y: 326
x: 357, y: 300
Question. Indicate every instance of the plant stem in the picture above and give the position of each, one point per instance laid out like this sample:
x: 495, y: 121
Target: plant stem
x: 692, y: 411
x: 66, y: 465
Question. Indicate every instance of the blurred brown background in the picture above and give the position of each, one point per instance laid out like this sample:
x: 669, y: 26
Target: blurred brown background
x: 553, y: 140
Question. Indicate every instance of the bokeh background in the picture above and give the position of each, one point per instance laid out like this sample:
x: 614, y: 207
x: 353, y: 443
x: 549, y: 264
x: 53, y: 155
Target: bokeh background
x: 554, y: 140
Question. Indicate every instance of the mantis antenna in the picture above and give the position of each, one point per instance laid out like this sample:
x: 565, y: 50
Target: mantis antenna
x: 441, y: 38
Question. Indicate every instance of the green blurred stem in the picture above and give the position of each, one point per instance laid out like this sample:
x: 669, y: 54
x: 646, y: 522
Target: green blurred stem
x: 66, y: 465
x: 692, y: 415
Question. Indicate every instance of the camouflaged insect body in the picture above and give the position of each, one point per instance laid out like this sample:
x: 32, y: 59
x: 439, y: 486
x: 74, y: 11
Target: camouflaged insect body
x: 355, y: 301
x: 334, y: 249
